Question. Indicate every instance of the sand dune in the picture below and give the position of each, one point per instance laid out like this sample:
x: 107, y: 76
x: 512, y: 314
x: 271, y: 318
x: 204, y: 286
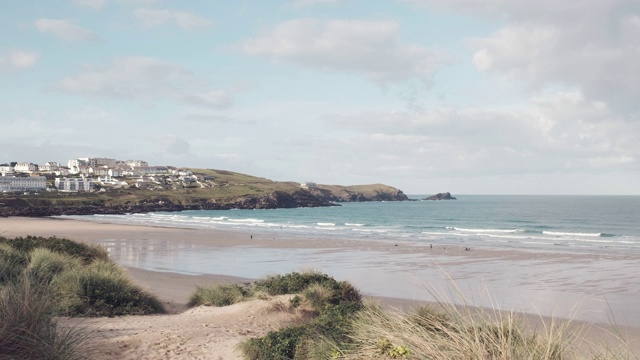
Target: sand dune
x: 200, y: 333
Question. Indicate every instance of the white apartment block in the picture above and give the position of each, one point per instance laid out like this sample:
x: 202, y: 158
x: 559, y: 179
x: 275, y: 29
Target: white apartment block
x: 26, y: 167
x: 31, y: 183
x: 74, y: 184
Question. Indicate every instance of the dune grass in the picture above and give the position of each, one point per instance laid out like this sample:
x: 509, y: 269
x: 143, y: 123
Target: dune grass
x: 342, y: 327
x: 452, y: 333
x: 45, y: 265
x: 27, y: 327
x: 41, y: 278
x: 218, y: 295
x: 86, y: 253
x: 101, y: 288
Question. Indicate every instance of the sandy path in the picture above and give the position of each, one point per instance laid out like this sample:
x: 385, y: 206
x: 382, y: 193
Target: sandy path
x: 198, y: 333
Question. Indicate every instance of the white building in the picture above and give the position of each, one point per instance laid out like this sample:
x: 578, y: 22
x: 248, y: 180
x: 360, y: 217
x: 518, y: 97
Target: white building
x: 75, y: 165
x: 148, y: 170
x: 25, y: 167
x: 99, y: 171
x: 309, y: 185
x: 6, y: 169
x: 117, y: 172
x: 50, y: 166
x: 137, y: 163
x: 31, y: 183
x: 74, y: 184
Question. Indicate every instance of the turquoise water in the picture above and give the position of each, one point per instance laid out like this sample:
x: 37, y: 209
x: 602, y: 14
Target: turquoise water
x: 559, y: 222
x: 587, y: 267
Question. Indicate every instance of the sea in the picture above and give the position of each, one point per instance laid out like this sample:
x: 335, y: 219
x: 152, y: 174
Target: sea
x: 581, y: 223
x: 575, y: 256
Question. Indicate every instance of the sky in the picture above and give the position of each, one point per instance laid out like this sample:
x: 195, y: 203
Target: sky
x: 465, y: 96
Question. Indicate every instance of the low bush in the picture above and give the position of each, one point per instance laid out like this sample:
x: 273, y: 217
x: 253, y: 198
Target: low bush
x: 281, y: 344
x: 86, y: 253
x: 101, y: 288
x: 292, y: 283
x: 81, y: 278
x: 217, y: 295
x: 45, y: 264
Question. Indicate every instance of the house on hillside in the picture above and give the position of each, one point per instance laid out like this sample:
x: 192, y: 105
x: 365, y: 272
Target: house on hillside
x: 6, y: 169
x: 49, y: 166
x: 25, y: 167
x: 308, y: 185
x: 99, y: 170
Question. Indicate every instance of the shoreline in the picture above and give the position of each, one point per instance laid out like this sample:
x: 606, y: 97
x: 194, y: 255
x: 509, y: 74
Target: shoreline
x: 251, y: 254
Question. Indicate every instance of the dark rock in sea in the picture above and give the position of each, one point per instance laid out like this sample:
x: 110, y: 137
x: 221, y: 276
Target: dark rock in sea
x: 441, y: 196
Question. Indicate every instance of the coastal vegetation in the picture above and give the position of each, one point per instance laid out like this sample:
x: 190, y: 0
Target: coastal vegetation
x: 336, y: 324
x: 330, y: 305
x: 41, y: 278
x: 216, y: 190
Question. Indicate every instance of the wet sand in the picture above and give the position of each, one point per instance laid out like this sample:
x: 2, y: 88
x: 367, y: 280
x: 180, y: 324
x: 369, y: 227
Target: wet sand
x: 588, y: 288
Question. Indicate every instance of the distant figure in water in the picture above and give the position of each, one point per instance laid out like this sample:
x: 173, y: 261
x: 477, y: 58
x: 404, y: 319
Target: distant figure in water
x: 431, y: 246
x: 251, y: 237
x: 467, y: 249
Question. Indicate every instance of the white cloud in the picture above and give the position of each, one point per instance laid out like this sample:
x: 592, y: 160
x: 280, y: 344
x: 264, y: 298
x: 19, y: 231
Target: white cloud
x: 370, y: 48
x: 593, y: 46
x: 146, y: 79
x: 95, y: 4
x: 18, y: 60
x: 562, y: 133
x: 65, y: 29
x: 184, y: 19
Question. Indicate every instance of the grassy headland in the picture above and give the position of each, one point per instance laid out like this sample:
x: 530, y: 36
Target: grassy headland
x: 216, y: 190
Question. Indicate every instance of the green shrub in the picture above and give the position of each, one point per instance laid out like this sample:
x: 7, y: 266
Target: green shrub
x: 334, y: 304
x: 217, y: 295
x: 292, y: 283
x: 281, y: 344
x: 101, y: 289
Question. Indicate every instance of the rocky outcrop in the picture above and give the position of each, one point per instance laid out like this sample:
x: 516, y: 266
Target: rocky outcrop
x: 441, y: 196
x: 280, y: 200
x: 359, y: 193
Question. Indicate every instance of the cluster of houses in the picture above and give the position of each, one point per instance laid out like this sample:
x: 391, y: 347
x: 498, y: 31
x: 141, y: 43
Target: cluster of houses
x: 83, y: 174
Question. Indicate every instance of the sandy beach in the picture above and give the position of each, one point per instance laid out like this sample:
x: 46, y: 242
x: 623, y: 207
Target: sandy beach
x: 599, y: 290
